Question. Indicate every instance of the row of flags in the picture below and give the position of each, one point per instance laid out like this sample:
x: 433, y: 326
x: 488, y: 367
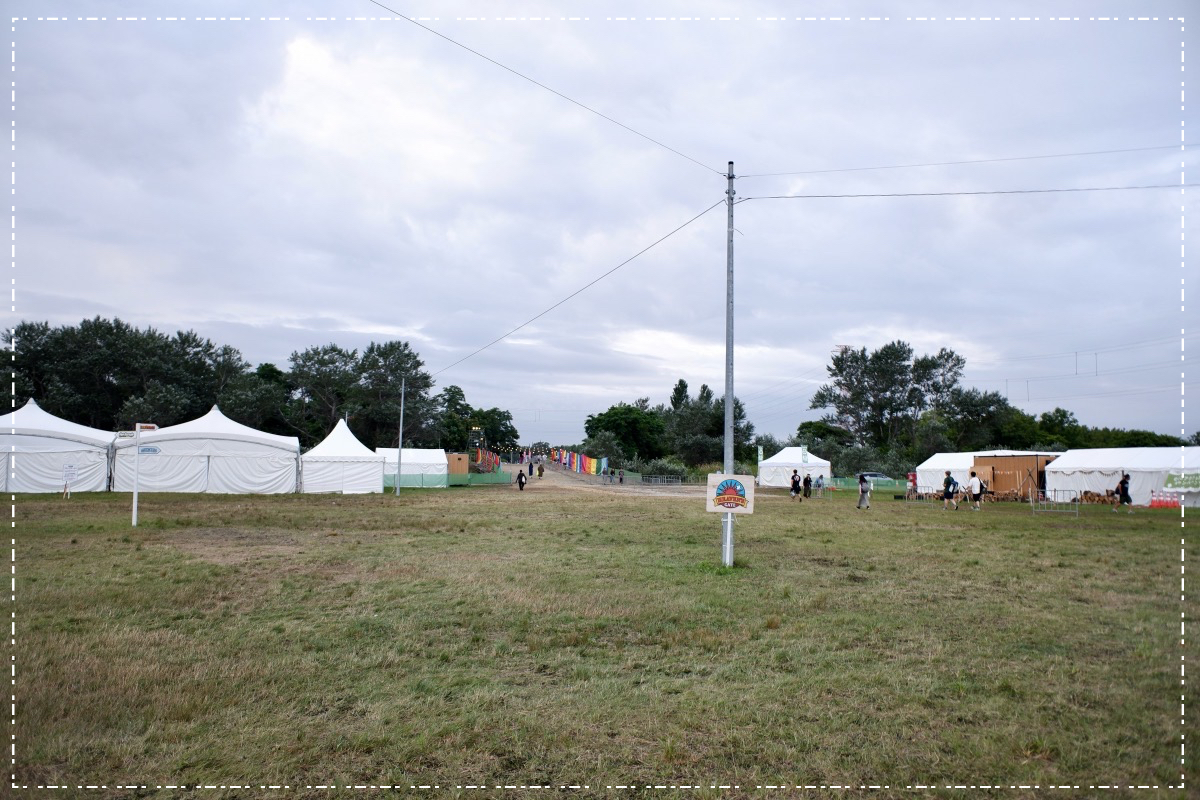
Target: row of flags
x: 487, y: 460
x: 578, y: 462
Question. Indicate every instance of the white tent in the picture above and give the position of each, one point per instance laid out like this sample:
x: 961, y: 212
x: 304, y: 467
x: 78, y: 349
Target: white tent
x: 210, y: 454
x: 1099, y: 469
x: 343, y: 464
x: 777, y: 470
x: 40, y: 448
x: 932, y: 471
x: 421, y: 468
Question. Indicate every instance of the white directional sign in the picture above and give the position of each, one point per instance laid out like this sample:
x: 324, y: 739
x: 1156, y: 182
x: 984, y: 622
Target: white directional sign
x: 70, y: 474
x: 149, y: 450
x: 126, y: 434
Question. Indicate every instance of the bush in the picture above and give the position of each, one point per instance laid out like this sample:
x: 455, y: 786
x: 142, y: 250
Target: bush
x: 665, y: 467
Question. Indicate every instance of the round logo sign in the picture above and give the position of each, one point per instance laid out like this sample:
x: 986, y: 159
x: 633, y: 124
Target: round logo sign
x: 730, y: 494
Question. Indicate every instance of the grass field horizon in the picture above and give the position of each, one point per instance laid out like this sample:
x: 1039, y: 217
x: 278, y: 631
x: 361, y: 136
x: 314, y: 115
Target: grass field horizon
x: 490, y: 637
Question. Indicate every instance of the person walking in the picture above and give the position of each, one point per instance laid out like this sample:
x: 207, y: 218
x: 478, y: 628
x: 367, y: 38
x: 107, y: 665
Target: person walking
x: 541, y: 470
x: 521, y: 480
x: 864, y: 491
x: 795, y: 484
x: 808, y: 485
x: 820, y: 485
x: 1123, y: 496
x: 949, y: 489
x: 975, y: 489
x: 621, y: 477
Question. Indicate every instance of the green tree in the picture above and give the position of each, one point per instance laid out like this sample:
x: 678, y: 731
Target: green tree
x: 325, y: 380
x: 382, y: 369
x: 879, y: 397
x: 639, y: 431
x: 498, y: 428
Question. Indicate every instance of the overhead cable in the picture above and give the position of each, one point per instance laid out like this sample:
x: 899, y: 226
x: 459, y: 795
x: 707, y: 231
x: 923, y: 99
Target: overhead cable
x: 962, y: 194
x: 956, y: 163
x: 581, y: 289
x: 547, y: 88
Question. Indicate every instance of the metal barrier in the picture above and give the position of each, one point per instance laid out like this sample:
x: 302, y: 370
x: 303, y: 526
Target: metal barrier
x: 1055, y: 501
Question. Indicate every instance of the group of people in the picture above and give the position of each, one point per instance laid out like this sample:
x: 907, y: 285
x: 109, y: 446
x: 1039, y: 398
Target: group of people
x: 950, y: 488
x: 804, y: 486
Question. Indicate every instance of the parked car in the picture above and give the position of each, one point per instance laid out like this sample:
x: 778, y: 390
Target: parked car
x: 876, y: 476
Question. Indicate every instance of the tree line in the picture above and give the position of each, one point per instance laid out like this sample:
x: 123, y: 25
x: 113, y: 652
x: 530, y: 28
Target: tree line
x: 108, y: 374
x: 888, y: 410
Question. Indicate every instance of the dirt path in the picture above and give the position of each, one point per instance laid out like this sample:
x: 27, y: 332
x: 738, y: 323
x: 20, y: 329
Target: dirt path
x: 556, y: 480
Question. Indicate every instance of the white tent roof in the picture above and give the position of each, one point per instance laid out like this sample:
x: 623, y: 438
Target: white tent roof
x: 31, y: 420
x: 215, y: 425
x: 1127, y: 459
x: 794, y: 457
x: 342, y: 445
x: 412, y: 458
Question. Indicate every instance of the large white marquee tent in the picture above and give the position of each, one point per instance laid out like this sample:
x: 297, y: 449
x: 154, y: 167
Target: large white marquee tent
x: 425, y: 468
x: 1099, y: 469
x: 38, y: 445
x: 777, y: 470
x: 211, y: 454
x: 932, y: 471
x: 342, y: 464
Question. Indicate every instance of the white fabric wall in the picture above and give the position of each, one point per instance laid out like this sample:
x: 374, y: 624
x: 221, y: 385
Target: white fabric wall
x: 190, y: 466
x: 42, y: 472
x: 780, y: 475
x: 343, y: 476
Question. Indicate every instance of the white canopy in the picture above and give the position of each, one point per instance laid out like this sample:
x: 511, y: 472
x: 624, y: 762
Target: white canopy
x: 421, y: 467
x: 1100, y: 469
x: 343, y: 464
x: 932, y: 471
x: 777, y: 470
x: 38, y: 446
x: 210, y: 454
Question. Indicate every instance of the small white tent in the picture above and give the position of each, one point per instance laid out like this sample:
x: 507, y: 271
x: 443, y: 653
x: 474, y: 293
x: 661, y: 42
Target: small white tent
x: 777, y: 470
x: 39, y: 448
x: 341, y: 463
x: 932, y: 471
x: 210, y: 454
x: 421, y: 468
x: 1099, y: 469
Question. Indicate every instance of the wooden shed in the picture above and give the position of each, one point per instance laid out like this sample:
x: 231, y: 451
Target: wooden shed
x: 456, y: 463
x: 1015, y: 476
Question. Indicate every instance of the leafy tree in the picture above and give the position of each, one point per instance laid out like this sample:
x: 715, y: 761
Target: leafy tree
x: 325, y: 381
x: 879, y: 397
x: 500, y: 433
x: 639, y: 431
x: 454, y: 418
x: 382, y: 370
x: 604, y: 444
x: 769, y: 444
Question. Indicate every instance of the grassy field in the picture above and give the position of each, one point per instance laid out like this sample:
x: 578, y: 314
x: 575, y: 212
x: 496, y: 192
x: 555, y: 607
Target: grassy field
x: 489, y: 637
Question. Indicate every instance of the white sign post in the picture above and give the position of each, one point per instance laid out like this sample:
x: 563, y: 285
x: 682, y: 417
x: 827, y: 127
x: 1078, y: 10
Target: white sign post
x: 729, y: 495
x: 137, y: 459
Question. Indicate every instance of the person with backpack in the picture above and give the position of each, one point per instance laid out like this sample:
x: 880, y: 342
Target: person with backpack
x: 975, y: 490
x: 949, y: 489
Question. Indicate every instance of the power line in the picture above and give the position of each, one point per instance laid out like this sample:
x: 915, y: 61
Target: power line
x: 956, y: 163
x: 580, y: 290
x: 544, y: 86
x: 960, y: 194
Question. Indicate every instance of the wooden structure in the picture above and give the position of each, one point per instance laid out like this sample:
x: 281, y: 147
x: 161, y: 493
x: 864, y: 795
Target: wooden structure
x: 1013, y: 477
x: 456, y: 463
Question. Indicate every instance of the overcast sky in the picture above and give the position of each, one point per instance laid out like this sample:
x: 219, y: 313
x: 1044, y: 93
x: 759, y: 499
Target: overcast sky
x: 346, y: 176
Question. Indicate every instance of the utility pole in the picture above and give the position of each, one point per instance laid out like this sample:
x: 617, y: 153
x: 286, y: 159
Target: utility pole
x: 727, y: 520
x: 400, y: 438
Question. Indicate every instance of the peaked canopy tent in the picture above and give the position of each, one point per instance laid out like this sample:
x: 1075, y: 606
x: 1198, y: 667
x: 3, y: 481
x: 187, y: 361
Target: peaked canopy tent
x: 420, y: 468
x: 1099, y: 469
x: 211, y: 454
x: 342, y: 464
x: 932, y: 471
x: 40, y: 448
x: 777, y: 470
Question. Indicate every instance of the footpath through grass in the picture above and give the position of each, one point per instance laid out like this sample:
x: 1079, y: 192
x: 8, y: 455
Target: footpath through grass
x: 495, y: 637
